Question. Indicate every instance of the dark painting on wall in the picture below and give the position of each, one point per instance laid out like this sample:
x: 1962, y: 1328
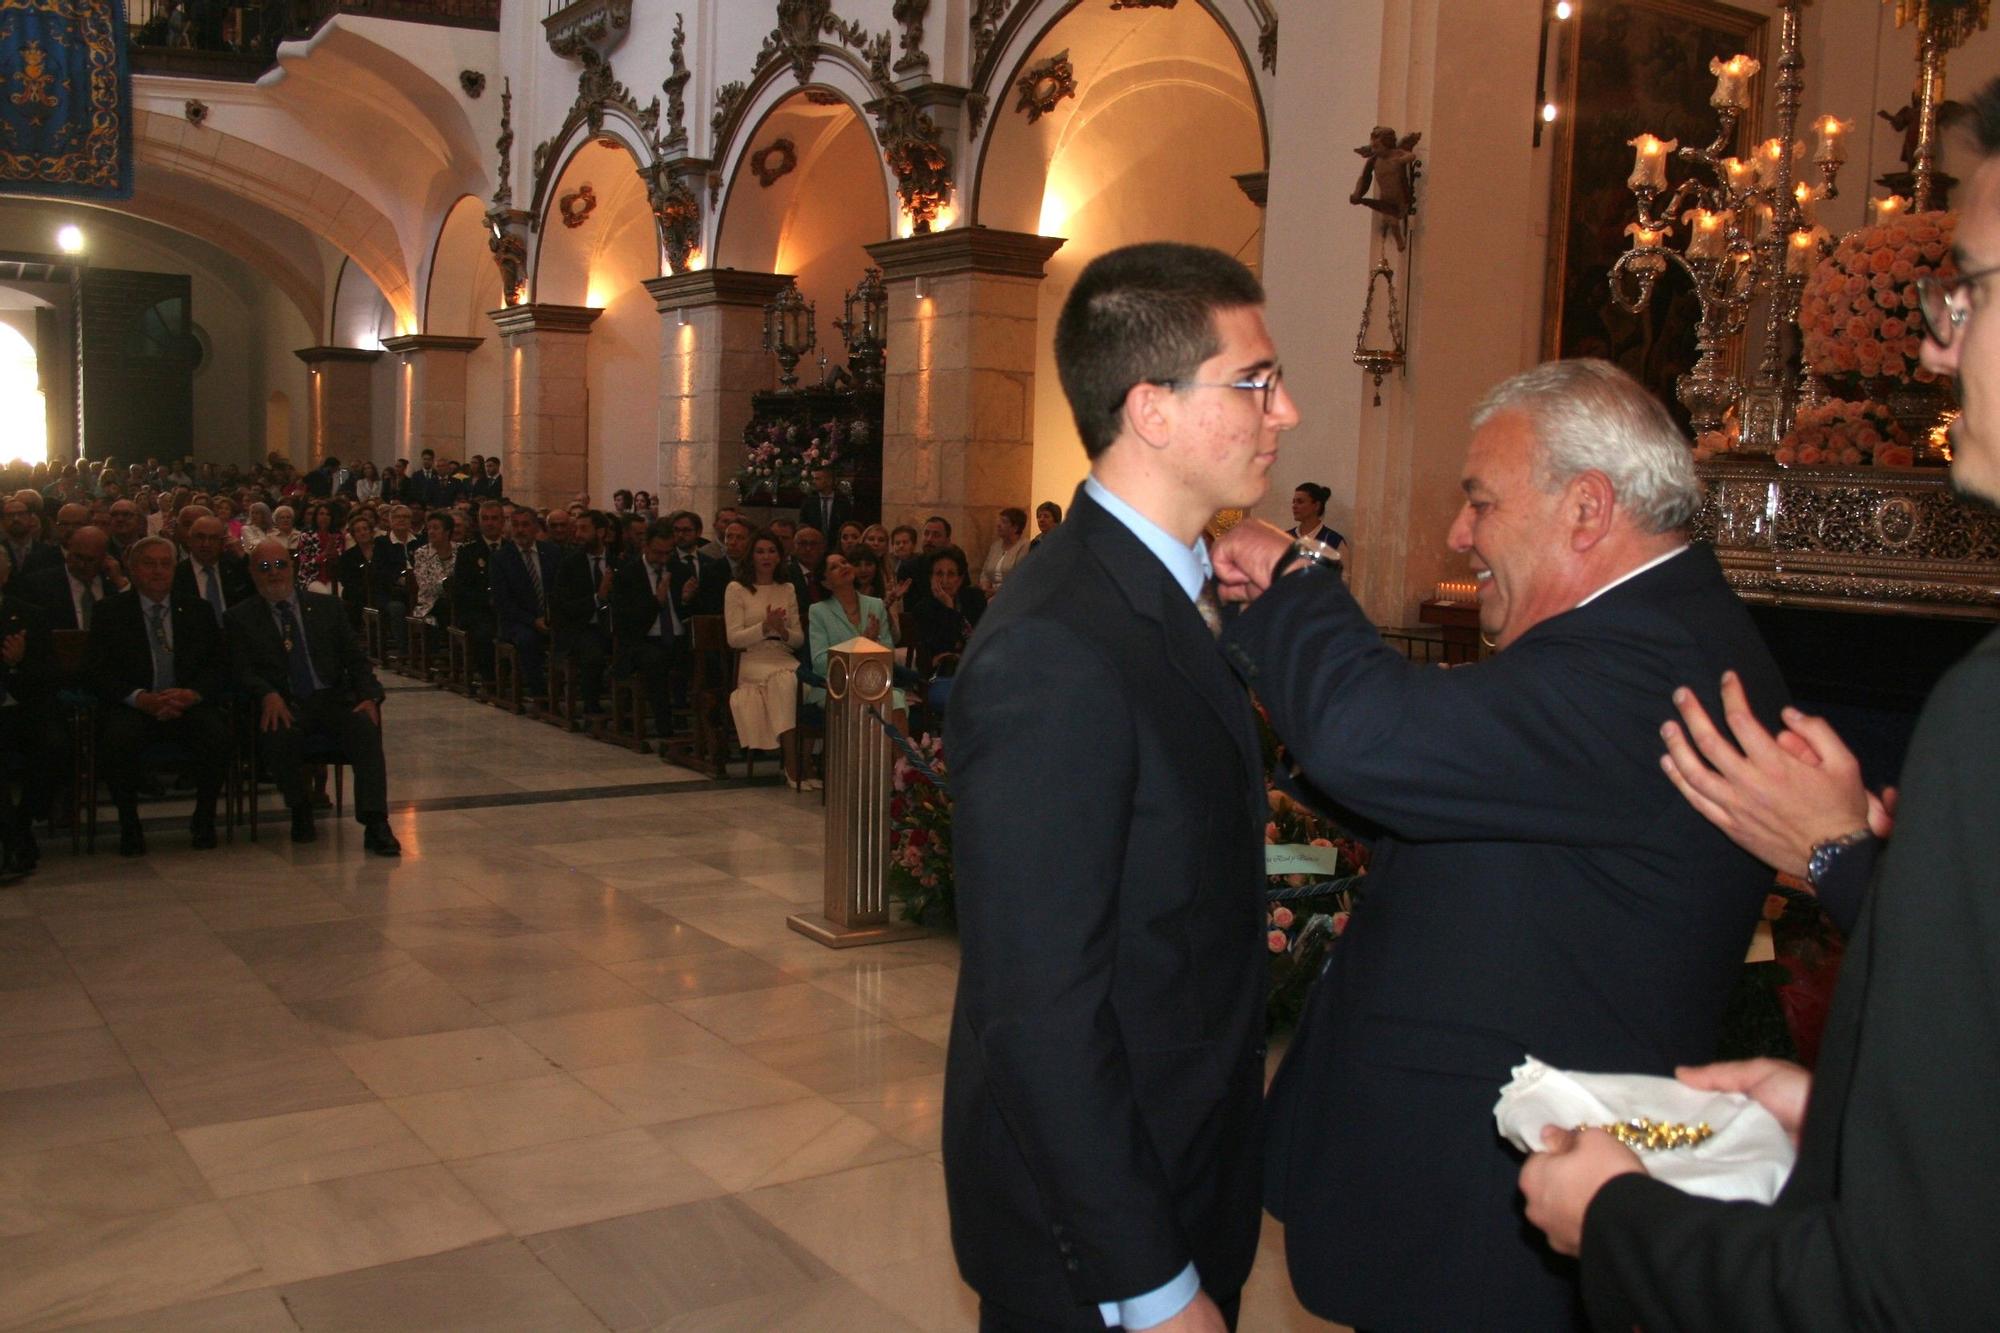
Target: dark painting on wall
x: 1626, y: 68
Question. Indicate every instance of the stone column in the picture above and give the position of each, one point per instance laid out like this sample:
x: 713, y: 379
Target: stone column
x: 712, y: 359
x: 959, y: 390
x: 430, y: 393
x: 339, y: 403
x: 545, y: 401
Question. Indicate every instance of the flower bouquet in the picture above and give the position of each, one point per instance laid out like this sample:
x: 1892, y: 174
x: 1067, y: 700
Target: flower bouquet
x: 1859, y: 309
x: 920, y: 837
x: 780, y: 456
x: 1846, y: 434
x: 1308, y: 898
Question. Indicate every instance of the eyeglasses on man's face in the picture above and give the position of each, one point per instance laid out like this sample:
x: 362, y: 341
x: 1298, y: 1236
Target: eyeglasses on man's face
x: 272, y: 566
x: 1264, y: 384
x: 1946, y: 306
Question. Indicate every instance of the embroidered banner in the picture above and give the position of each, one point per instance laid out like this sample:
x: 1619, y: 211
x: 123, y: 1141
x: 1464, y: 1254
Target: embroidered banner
x: 65, y: 99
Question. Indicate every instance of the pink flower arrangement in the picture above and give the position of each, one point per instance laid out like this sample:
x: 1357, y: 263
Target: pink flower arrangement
x: 779, y: 456
x: 920, y: 812
x: 1843, y: 434
x: 1858, y: 311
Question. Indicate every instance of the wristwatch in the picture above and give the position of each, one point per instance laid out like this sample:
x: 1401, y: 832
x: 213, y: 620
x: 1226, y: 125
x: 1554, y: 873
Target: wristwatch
x: 1826, y: 854
x: 1305, y: 553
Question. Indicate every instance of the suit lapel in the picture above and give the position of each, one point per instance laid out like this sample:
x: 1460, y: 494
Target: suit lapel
x: 1189, y: 646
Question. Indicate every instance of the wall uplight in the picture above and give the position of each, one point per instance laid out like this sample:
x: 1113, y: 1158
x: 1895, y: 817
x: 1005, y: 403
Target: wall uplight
x: 69, y: 239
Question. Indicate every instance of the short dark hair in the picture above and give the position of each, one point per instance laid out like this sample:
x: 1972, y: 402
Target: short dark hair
x: 1983, y: 111
x: 1017, y: 517
x: 951, y: 555
x: 660, y: 530
x: 902, y: 528
x: 1051, y: 508
x: 1142, y: 315
x: 687, y: 514
x: 941, y: 521
x: 1320, y: 494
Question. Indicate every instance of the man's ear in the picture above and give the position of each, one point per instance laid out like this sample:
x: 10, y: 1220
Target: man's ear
x: 1148, y: 414
x: 1591, y: 505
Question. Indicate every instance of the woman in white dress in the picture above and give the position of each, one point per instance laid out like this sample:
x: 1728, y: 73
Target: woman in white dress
x: 761, y: 613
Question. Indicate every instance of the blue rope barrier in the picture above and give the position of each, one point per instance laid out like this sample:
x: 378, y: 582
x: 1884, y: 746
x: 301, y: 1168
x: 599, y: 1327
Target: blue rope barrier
x: 910, y: 751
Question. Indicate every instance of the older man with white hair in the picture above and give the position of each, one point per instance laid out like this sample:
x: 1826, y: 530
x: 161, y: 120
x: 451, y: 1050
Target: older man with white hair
x: 1537, y: 887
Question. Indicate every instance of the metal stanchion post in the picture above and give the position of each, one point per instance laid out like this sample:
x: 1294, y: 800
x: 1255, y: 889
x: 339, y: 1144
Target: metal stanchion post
x: 858, y: 759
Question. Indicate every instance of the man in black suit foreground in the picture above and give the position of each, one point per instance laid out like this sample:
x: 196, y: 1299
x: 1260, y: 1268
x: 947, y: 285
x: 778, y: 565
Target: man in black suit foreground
x: 212, y: 573
x: 1536, y: 887
x: 1889, y: 1215
x: 156, y: 660
x: 1102, y: 1090
x: 294, y: 654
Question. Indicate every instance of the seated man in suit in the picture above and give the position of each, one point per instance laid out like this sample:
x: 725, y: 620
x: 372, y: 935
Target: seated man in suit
x: 156, y: 660
x: 212, y: 573
x: 644, y: 618
x: 293, y: 653
x: 69, y: 594
x: 471, y: 587
x: 1537, y: 887
x: 581, y: 610
x: 523, y: 575
x: 27, y: 675
x: 23, y: 526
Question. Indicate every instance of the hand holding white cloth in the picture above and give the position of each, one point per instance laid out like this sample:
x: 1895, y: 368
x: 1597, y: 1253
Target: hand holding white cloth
x: 1747, y: 1157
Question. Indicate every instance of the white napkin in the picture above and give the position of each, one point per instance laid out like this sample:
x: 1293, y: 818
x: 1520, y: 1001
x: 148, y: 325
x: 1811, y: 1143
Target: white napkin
x: 1748, y: 1157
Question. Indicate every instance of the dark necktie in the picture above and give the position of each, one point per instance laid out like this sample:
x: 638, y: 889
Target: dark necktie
x: 163, y: 650
x: 1210, y: 607
x: 596, y: 582
x: 213, y: 578
x: 670, y: 625
x: 86, y: 607
x: 533, y: 559
x: 297, y: 658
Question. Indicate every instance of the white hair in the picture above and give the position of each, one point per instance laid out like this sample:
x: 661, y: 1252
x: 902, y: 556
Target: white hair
x: 1590, y: 416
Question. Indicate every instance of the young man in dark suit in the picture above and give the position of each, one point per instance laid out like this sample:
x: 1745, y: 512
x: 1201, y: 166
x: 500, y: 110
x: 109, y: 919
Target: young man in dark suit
x: 1535, y: 887
x: 1102, y: 1091
x: 156, y: 660
x: 294, y: 654
x: 825, y: 507
x: 523, y: 575
x: 1888, y: 1217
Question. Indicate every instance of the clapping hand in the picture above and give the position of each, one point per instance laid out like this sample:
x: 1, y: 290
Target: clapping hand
x: 873, y: 628
x: 897, y: 590
x: 774, y: 620
x: 604, y: 585
x: 114, y: 574
x: 690, y: 588
x: 14, y: 647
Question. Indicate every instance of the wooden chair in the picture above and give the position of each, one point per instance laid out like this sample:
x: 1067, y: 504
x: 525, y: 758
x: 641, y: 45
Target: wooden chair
x: 371, y: 634
x: 507, y: 678
x: 458, y: 662
x: 707, y: 743
x: 564, y: 706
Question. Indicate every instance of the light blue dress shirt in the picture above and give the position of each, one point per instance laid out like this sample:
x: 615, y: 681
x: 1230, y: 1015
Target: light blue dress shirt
x: 1189, y: 567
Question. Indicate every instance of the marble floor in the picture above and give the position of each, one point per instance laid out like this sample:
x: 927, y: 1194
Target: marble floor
x: 561, y: 1067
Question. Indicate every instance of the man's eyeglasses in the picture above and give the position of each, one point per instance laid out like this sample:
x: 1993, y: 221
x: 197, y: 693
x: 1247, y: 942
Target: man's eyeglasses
x: 1946, y: 306
x: 1265, y: 384
x: 271, y: 566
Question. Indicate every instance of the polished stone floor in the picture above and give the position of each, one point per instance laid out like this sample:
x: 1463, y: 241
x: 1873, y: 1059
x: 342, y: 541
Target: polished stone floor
x: 561, y: 1067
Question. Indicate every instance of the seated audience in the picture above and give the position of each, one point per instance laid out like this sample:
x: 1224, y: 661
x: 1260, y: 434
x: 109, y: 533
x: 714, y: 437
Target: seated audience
x: 1048, y: 517
x: 471, y: 590
x: 292, y: 652
x: 156, y: 660
x: 845, y: 613
x: 433, y: 564
x: 212, y: 573
x: 68, y: 596
x: 1009, y: 531
x: 27, y: 675
x: 581, y: 610
x: 523, y: 575
x: 761, y: 616
x: 939, y: 625
x: 645, y: 624
x: 320, y: 549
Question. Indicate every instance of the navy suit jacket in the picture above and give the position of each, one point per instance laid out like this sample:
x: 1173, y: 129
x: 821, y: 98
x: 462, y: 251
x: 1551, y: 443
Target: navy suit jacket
x: 514, y: 603
x: 1106, y: 1066
x: 1538, y: 888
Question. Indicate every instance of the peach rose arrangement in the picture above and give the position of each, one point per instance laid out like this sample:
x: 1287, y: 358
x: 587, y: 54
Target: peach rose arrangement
x: 1842, y: 434
x: 1859, y: 309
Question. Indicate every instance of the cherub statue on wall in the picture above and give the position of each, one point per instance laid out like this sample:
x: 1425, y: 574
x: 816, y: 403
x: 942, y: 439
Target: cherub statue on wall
x: 1391, y: 167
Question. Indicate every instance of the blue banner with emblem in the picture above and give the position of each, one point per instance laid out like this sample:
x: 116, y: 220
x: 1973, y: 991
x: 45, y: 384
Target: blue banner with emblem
x: 65, y: 99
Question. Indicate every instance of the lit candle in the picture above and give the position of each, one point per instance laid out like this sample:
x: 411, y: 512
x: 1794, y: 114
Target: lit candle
x: 1808, y: 200
x: 1832, y: 147
x: 1770, y: 155
x: 1742, y: 174
x: 1802, y: 253
x: 1649, y: 161
x: 1884, y: 210
x: 1644, y: 237
x: 1705, y: 239
x: 1732, y: 80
